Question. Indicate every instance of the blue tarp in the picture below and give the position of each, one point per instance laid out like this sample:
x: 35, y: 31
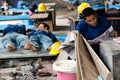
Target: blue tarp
x: 28, y: 25
x: 98, y: 6
x: 14, y: 17
x: 61, y: 37
x: 24, y: 18
x: 77, y: 2
x: 18, y: 10
x: 114, y: 6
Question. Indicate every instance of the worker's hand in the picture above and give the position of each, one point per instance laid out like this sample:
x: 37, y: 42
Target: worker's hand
x: 114, y: 34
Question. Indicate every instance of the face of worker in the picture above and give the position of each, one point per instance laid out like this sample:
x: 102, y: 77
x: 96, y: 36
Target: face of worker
x: 41, y: 27
x: 91, y: 20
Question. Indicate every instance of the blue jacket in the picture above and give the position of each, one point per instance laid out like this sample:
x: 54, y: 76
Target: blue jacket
x: 49, y: 34
x: 15, y: 28
x: 90, y: 32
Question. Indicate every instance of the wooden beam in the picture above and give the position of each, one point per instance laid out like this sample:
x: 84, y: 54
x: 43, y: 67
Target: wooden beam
x: 69, y: 6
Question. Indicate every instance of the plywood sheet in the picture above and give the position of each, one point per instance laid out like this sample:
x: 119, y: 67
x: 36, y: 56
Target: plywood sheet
x: 21, y: 53
x: 89, y: 65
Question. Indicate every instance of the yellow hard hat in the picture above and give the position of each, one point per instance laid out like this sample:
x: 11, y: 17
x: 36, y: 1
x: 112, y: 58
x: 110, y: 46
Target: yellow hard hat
x: 41, y: 7
x: 54, y: 48
x: 82, y: 6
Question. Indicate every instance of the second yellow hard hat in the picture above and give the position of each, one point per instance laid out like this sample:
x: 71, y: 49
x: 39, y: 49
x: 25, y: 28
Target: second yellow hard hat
x: 41, y: 7
x: 82, y: 6
x: 54, y: 48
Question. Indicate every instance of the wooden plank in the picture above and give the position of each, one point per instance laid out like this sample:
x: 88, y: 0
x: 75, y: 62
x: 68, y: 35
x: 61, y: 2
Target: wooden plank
x: 50, y: 5
x: 70, y: 6
x: 39, y: 16
x: 113, y: 18
x: 78, y: 59
x: 23, y: 17
x: 85, y: 65
x: 102, y: 69
x: 89, y: 65
x: 20, y: 53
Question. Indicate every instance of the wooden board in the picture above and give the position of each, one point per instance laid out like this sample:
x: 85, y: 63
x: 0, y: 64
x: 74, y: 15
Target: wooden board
x: 85, y: 66
x: 89, y: 65
x: 24, y: 17
x: 102, y: 69
x: 69, y: 6
x: 20, y: 53
x: 39, y: 16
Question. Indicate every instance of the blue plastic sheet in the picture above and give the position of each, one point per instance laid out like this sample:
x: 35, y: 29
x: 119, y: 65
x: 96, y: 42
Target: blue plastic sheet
x: 98, y: 6
x: 18, y: 10
x: 61, y: 37
x: 14, y: 17
x: 28, y: 25
x: 114, y: 6
x: 80, y: 1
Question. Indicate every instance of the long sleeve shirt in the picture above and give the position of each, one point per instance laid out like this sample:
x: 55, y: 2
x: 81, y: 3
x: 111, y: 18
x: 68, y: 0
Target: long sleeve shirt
x: 49, y: 34
x: 90, y: 32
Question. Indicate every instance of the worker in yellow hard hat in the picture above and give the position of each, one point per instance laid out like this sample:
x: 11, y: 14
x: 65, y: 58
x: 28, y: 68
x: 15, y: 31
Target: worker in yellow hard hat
x: 82, y: 6
x: 41, y: 7
x: 94, y: 28
x: 55, y: 48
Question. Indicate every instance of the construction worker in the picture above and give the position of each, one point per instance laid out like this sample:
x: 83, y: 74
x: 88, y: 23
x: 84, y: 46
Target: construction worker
x: 14, y: 36
x: 41, y: 38
x: 93, y: 27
